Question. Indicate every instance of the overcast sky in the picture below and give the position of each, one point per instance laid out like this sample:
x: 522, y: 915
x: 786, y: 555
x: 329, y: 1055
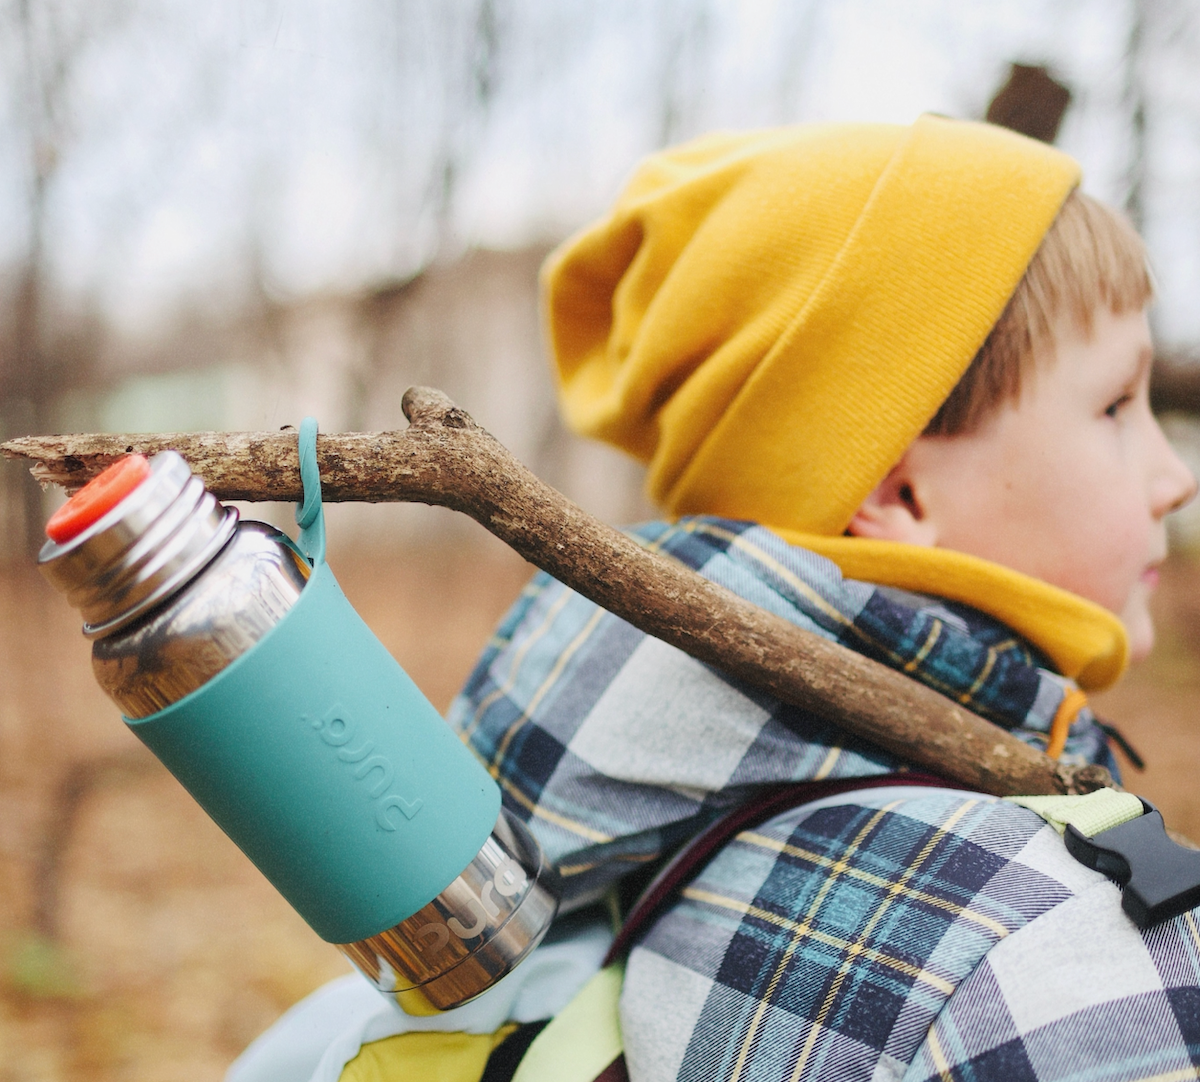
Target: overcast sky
x: 312, y: 139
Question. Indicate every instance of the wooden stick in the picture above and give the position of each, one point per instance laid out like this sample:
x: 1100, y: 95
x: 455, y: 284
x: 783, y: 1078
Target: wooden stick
x: 445, y: 458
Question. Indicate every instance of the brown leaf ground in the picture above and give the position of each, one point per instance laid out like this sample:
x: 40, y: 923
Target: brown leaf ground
x: 138, y: 945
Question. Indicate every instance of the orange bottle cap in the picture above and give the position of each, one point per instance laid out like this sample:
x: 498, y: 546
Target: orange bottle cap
x: 99, y: 496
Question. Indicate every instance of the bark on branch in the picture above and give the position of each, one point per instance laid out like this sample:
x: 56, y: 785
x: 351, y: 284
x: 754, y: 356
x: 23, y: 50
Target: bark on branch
x: 445, y: 458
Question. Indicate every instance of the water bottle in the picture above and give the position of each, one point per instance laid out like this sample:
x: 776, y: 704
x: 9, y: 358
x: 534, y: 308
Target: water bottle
x: 236, y: 658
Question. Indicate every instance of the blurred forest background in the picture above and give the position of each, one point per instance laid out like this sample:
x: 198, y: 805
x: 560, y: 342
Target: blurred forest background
x: 230, y: 215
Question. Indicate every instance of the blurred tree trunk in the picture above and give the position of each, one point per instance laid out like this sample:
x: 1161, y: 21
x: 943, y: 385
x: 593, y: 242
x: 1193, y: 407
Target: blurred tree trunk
x: 1134, y: 96
x: 51, y: 38
x: 1031, y: 102
x: 25, y: 384
x: 1175, y: 383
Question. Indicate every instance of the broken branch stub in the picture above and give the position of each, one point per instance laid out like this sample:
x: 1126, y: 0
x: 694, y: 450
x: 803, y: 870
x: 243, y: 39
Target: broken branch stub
x: 445, y: 458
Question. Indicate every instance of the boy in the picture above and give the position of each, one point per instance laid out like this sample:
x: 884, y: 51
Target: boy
x: 892, y: 384
x: 783, y: 326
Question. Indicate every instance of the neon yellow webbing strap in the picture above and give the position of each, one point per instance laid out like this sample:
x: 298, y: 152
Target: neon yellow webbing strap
x: 1090, y: 814
x: 584, y: 1037
x: 430, y: 1056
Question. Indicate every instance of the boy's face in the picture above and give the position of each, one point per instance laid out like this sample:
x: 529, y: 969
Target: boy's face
x: 1071, y: 484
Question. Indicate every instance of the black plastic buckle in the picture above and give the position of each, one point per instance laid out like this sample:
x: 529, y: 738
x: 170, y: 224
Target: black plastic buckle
x: 1161, y: 879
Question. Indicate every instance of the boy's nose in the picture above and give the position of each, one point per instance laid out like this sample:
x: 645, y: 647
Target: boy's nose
x: 1175, y: 484
x: 1188, y: 494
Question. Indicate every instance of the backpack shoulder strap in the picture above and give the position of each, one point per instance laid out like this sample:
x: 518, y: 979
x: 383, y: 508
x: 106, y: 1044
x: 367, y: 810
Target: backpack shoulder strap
x: 583, y: 1042
x: 682, y: 868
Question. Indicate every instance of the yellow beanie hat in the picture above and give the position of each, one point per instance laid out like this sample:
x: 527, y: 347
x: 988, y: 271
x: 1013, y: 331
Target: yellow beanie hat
x: 769, y: 319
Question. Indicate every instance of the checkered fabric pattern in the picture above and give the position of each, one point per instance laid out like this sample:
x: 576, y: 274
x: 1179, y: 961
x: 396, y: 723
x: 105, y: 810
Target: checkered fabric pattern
x: 931, y: 937
x: 616, y: 747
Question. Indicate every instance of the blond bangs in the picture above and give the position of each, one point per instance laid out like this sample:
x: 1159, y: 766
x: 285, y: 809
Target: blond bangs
x: 1091, y: 257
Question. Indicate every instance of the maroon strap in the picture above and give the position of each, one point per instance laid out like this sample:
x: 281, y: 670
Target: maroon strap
x: 615, y: 1071
x: 685, y: 865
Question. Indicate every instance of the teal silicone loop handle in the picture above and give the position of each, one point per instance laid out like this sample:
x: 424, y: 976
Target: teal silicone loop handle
x: 310, y: 513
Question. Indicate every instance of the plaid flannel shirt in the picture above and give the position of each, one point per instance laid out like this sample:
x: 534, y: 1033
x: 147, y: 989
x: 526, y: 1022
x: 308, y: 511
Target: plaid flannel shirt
x: 876, y: 936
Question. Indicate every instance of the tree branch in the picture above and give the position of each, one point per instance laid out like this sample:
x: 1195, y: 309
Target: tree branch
x: 445, y: 458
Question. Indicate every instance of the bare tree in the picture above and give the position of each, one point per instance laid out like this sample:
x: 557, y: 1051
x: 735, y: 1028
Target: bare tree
x: 467, y: 64
x: 1134, y: 95
x: 684, y: 32
x: 1031, y: 102
x: 50, y: 39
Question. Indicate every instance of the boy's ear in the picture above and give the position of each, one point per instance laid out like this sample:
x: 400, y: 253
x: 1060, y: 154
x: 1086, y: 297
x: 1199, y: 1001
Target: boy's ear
x: 894, y: 512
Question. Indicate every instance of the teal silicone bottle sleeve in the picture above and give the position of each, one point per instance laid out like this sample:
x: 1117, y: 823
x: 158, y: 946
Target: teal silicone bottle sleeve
x: 329, y: 769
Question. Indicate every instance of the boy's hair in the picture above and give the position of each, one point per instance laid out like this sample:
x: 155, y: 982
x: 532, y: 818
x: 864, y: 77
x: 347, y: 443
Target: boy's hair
x: 1091, y: 257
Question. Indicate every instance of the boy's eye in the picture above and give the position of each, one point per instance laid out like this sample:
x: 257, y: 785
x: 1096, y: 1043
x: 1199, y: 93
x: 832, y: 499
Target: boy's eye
x: 1115, y: 407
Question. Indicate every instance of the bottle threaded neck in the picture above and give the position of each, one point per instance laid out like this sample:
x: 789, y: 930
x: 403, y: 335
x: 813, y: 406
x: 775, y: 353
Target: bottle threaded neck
x: 151, y: 542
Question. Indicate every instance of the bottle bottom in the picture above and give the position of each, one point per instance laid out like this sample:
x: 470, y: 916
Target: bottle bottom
x: 472, y: 934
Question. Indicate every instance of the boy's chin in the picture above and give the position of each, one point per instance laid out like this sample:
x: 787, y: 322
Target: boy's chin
x: 1139, y: 627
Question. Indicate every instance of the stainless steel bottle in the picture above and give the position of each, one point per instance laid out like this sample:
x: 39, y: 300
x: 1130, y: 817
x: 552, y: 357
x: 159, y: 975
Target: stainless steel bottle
x: 172, y: 589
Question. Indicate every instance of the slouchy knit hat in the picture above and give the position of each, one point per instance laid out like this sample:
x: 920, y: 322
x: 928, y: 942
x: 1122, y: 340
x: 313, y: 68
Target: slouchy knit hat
x: 769, y: 319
